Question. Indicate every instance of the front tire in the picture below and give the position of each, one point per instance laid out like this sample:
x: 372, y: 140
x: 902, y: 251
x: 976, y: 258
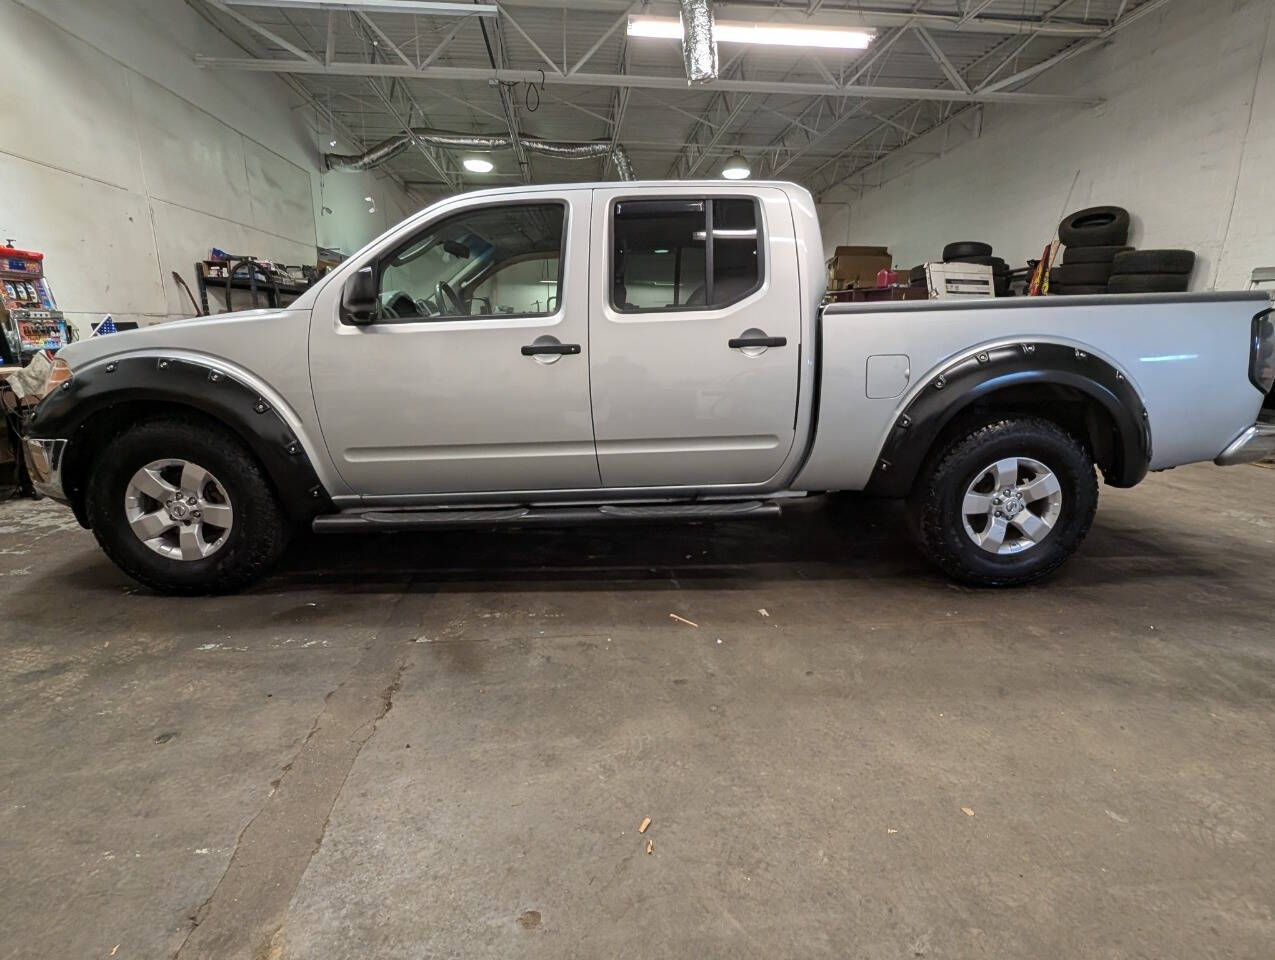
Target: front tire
x: 183, y: 507
x: 1005, y: 504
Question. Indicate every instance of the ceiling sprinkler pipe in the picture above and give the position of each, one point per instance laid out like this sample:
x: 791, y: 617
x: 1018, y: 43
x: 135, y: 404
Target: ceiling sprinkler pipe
x: 567, y: 150
x: 699, y: 47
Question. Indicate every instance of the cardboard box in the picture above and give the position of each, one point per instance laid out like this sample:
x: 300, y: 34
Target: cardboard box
x: 857, y: 266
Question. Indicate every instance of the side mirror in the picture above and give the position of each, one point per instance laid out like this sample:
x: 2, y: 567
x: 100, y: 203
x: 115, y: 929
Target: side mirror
x: 358, y: 298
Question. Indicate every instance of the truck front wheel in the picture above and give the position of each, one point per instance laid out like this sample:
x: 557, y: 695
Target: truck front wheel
x: 1006, y: 503
x: 182, y: 507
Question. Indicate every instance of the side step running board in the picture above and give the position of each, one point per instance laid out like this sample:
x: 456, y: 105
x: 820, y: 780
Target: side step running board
x: 541, y: 516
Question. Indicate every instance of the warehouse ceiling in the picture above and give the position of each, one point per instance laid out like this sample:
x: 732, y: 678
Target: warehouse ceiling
x: 567, y: 70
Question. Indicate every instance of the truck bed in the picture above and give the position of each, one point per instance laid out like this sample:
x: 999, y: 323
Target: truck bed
x: 1186, y: 355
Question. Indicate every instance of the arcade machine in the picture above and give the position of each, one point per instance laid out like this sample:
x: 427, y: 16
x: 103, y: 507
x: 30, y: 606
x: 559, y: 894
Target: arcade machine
x: 30, y: 322
x: 29, y: 315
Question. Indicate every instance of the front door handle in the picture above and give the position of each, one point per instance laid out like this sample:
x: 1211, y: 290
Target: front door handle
x: 738, y: 342
x: 561, y: 349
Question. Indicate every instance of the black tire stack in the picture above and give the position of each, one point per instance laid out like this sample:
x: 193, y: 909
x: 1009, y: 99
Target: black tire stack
x: 1094, y: 237
x: 1055, y: 281
x: 1152, y: 271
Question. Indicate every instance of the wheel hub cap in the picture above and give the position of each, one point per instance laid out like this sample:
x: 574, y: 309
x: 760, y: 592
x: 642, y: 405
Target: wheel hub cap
x: 1011, y: 505
x: 178, y: 509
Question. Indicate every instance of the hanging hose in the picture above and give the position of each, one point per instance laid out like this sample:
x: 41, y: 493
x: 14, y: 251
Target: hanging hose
x: 565, y: 150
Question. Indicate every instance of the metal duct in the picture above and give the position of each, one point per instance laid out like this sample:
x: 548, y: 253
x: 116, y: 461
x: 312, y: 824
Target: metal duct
x: 567, y: 150
x: 699, y: 48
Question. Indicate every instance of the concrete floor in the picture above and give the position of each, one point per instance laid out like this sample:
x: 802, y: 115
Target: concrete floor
x: 443, y: 747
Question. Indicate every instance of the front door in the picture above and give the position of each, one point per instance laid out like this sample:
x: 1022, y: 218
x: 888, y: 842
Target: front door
x: 694, y: 337
x: 473, y: 375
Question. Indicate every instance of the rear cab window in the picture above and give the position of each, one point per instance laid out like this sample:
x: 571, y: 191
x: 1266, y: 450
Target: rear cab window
x: 685, y: 253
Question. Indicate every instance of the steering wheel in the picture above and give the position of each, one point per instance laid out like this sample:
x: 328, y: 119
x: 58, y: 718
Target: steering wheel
x: 447, y: 300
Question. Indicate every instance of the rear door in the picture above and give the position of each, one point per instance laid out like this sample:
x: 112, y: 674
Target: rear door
x: 473, y: 376
x: 694, y: 335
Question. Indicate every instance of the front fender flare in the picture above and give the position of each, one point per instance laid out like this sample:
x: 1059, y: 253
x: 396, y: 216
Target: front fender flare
x: 70, y: 412
x: 978, y: 376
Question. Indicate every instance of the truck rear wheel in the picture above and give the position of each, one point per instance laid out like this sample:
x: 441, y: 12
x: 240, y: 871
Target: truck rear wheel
x: 184, y: 508
x: 1005, y: 504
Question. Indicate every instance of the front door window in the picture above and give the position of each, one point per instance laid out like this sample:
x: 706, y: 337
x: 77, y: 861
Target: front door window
x: 488, y: 262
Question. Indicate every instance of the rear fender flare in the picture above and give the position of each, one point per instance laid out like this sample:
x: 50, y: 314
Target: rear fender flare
x: 980, y: 374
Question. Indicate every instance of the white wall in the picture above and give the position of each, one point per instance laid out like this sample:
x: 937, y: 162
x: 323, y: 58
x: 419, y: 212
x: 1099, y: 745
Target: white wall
x: 1185, y: 141
x: 122, y: 161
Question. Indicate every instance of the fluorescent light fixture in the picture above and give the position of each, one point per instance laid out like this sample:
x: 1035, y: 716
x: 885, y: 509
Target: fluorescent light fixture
x: 451, y: 9
x: 720, y: 234
x: 477, y: 164
x: 736, y: 168
x: 766, y: 34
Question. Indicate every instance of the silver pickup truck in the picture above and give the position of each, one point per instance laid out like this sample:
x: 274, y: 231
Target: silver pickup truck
x: 634, y: 351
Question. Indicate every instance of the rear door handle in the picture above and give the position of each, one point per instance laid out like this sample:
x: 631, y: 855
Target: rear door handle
x: 562, y: 349
x: 738, y: 342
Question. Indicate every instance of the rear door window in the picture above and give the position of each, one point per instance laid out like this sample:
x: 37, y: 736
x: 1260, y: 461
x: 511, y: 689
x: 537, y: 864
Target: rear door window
x: 684, y: 254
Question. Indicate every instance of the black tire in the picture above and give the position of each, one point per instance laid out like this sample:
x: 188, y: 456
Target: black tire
x: 1154, y: 261
x: 935, y: 506
x: 1095, y: 226
x: 999, y: 266
x: 966, y: 248
x: 1084, y: 274
x: 917, y: 274
x: 1081, y: 290
x: 1101, y: 254
x: 1149, y: 283
x: 255, y: 541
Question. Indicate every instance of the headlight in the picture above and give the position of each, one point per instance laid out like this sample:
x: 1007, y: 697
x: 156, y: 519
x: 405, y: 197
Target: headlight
x: 59, y: 373
x: 1261, y: 369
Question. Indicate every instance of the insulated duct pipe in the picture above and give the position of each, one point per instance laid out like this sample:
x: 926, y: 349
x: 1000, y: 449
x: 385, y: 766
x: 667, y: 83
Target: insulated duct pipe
x: 567, y: 150
x: 699, y: 48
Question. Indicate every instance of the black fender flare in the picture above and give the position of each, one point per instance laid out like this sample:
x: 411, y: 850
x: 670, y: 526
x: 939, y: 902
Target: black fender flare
x: 979, y: 375
x: 127, y: 383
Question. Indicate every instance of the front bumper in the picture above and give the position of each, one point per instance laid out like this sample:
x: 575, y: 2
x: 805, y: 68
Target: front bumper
x: 44, y: 463
x: 1254, y: 443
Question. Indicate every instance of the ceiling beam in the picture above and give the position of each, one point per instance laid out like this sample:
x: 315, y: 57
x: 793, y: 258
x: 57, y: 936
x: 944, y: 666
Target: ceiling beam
x: 261, y: 31
x: 641, y: 81
x: 853, y: 13
x: 423, y: 7
x: 936, y: 52
x: 1137, y: 13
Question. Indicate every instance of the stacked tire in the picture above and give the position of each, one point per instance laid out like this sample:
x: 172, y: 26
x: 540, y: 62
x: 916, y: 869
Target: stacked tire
x: 972, y: 251
x: 1093, y: 238
x: 1152, y: 271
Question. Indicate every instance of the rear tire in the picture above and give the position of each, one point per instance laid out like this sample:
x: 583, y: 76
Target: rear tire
x: 964, y: 544
x: 144, y: 468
